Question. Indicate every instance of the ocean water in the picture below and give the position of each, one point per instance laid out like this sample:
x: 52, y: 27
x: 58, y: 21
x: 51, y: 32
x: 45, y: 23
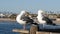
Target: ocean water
x: 6, y: 27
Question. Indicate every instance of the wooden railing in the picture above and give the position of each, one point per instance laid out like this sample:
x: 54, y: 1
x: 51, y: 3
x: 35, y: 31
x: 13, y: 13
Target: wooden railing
x: 27, y: 32
x: 33, y: 30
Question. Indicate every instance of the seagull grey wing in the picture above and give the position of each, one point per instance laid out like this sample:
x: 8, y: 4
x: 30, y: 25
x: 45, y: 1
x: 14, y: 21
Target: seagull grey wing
x: 27, y: 19
x: 48, y: 21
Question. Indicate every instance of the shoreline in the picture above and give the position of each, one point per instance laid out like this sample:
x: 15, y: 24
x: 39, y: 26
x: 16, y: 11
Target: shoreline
x: 7, y: 19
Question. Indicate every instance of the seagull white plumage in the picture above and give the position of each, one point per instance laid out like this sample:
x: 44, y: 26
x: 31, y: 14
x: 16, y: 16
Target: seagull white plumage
x: 19, y: 20
x: 43, y: 19
x: 40, y: 17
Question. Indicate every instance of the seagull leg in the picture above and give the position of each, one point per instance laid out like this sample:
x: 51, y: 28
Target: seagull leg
x: 43, y: 25
x: 24, y: 27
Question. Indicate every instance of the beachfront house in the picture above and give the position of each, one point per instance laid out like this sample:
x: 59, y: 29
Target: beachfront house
x: 2, y: 15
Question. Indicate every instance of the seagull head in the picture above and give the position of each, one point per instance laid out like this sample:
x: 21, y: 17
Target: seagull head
x: 40, y: 12
x: 23, y: 12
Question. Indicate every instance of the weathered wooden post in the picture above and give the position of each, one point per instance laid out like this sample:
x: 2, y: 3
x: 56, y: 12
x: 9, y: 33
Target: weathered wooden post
x: 33, y: 29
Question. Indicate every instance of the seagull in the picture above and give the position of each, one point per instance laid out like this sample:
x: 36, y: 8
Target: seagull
x: 23, y: 19
x: 43, y: 19
x: 40, y: 17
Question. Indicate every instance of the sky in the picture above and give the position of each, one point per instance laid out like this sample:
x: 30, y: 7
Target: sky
x: 29, y: 5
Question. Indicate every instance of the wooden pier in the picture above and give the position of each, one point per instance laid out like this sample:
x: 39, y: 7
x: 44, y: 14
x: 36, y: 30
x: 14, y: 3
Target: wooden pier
x: 27, y: 32
x: 21, y: 31
x: 33, y: 30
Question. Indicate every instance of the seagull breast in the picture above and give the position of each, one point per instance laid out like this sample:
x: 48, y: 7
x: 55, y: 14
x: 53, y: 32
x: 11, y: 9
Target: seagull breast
x: 40, y: 17
x: 18, y: 18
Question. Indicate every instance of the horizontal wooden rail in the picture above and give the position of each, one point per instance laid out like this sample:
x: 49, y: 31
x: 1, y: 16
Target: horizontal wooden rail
x: 21, y: 31
x: 27, y: 32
